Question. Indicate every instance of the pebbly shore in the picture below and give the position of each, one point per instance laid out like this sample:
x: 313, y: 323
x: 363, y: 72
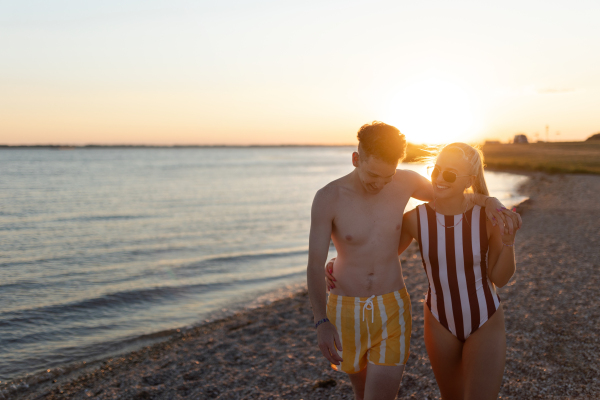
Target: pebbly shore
x: 552, y: 308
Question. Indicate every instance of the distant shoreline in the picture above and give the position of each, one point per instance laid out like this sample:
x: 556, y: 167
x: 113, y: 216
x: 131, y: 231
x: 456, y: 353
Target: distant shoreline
x: 141, y: 146
x: 193, y: 146
x: 553, y: 157
x: 201, y: 146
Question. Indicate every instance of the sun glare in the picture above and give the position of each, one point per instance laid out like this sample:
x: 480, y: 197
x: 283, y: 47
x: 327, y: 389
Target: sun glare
x: 433, y: 111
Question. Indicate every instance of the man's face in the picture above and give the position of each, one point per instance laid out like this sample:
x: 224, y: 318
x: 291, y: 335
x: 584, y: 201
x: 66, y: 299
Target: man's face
x: 374, y: 173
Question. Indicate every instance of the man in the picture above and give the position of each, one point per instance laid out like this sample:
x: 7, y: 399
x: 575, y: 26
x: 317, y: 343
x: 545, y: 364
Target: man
x: 364, y: 328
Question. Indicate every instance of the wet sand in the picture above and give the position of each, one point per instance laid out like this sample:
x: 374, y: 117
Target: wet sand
x: 552, y: 308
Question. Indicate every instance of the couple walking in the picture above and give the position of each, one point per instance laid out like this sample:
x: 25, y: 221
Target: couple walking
x: 466, y: 240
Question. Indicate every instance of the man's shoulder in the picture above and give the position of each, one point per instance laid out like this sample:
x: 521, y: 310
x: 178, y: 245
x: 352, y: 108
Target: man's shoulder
x: 405, y: 178
x: 331, y: 190
x: 326, y: 200
x: 406, y: 175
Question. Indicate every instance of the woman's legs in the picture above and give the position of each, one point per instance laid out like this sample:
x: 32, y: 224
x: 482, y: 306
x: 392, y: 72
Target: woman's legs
x: 484, y: 355
x: 469, y: 371
x: 445, y: 355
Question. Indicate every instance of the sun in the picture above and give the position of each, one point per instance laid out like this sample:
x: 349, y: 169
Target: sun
x: 433, y: 111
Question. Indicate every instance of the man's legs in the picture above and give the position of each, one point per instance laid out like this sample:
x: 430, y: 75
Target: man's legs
x: 383, y: 381
x: 358, y: 383
x: 389, y: 330
x: 377, y: 382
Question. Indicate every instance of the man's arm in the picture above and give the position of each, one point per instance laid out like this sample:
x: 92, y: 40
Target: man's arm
x: 424, y: 191
x: 406, y: 235
x: 321, y: 221
x: 508, y: 221
x: 422, y: 187
x: 501, y: 257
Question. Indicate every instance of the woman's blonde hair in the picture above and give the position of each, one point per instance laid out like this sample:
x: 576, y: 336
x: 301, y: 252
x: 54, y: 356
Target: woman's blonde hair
x: 474, y: 158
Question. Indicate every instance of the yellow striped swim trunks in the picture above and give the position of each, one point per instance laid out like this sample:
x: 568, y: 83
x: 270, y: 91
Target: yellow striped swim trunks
x: 372, y: 329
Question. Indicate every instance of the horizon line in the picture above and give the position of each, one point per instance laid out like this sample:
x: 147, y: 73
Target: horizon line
x: 84, y: 146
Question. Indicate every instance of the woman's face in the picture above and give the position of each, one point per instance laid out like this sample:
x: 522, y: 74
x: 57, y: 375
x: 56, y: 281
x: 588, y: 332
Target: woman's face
x: 451, y: 164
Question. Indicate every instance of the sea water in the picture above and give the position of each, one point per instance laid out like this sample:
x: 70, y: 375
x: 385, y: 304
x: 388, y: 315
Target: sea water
x: 102, y: 246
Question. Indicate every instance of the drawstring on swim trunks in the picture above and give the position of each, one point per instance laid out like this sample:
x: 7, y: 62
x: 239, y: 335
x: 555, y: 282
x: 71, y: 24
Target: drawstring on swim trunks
x: 368, y: 306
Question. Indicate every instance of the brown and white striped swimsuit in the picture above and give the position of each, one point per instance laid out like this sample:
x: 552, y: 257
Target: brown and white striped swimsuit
x: 460, y: 296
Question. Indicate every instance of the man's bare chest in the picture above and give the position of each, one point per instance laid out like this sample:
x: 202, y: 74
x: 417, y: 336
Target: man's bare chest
x: 364, y: 221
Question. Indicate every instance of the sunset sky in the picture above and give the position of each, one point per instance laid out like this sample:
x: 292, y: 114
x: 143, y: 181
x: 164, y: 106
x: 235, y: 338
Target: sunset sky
x: 281, y: 72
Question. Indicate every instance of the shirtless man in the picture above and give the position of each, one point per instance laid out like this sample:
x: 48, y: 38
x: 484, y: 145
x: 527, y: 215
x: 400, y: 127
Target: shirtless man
x: 367, y: 316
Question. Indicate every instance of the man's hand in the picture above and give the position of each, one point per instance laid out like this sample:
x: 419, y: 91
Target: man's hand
x: 329, y: 279
x: 329, y: 340
x: 508, y: 221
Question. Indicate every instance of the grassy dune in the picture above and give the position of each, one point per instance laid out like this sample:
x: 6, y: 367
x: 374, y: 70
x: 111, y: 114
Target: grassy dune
x: 558, y: 157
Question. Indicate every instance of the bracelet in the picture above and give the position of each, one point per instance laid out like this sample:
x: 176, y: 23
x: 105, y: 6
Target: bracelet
x: 321, y: 321
x: 508, y: 245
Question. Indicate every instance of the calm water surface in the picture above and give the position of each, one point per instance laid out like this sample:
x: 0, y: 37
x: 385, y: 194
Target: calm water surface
x: 102, y: 246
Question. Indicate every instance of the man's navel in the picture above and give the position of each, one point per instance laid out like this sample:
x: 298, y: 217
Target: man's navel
x: 369, y: 281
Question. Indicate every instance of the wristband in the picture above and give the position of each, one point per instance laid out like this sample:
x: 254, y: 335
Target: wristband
x: 508, y: 245
x: 321, y: 321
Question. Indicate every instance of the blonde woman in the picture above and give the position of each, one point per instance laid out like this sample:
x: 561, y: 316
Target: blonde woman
x: 465, y: 257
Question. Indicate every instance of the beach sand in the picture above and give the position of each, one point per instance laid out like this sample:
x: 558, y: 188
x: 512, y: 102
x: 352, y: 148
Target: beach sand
x: 552, y: 308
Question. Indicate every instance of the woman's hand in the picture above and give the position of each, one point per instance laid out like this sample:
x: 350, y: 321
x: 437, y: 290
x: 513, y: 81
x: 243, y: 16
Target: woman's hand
x: 329, y: 279
x: 508, y: 221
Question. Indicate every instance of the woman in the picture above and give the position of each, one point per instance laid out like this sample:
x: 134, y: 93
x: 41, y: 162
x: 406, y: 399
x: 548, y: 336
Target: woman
x: 465, y: 256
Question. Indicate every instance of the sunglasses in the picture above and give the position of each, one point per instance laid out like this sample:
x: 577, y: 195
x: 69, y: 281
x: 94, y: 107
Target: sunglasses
x: 448, y: 176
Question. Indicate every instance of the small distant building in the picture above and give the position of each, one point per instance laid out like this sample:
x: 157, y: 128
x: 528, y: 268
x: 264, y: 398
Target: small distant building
x: 520, y: 139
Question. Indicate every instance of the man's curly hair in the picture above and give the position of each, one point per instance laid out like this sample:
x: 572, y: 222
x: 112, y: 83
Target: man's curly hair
x: 381, y: 141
